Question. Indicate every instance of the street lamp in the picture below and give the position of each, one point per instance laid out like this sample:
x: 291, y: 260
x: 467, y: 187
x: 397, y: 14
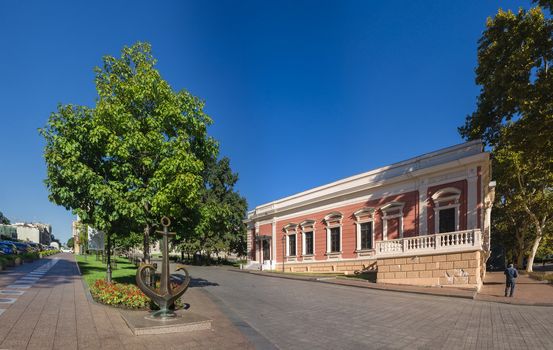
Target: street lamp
x: 283, y: 252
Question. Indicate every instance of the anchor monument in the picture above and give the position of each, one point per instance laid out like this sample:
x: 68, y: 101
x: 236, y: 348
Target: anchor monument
x: 166, y: 296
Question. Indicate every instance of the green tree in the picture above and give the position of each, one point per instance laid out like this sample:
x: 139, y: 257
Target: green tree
x: 136, y: 156
x: 514, y: 114
x: 71, y: 242
x: 217, y: 222
x: 4, y: 220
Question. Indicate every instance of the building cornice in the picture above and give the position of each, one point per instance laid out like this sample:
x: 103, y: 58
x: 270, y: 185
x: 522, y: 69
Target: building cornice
x: 422, y: 166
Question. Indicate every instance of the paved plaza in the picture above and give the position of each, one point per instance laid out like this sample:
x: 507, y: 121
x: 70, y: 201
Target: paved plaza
x: 44, y: 306
x: 300, y: 315
x: 53, y: 312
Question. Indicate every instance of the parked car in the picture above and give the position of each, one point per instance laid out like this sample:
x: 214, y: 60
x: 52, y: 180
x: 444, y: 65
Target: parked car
x: 35, y: 247
x: 22, y: 248
x: 8, y: 248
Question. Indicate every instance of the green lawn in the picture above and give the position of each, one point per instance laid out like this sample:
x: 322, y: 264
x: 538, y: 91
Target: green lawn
x: 93, y: 270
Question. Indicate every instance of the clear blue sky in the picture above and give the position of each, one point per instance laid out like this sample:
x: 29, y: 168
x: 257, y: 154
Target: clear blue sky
x: 302, y: 92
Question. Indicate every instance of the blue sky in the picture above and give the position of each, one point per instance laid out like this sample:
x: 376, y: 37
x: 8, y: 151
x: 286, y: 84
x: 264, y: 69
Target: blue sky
x: 302, y: 92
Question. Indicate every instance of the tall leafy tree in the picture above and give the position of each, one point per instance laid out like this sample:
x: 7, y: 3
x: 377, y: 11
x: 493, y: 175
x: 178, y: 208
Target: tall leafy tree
x: 136, y: 156
x: 217, y: 223
x: 4, y: 220
x: 514, y: 114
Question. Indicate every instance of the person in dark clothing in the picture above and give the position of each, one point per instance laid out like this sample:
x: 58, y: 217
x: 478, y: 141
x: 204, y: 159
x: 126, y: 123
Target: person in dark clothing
x: 510, y: 274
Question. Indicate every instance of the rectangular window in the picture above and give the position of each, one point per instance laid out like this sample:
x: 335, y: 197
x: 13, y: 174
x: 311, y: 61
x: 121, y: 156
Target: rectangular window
x: 366, y: 235
x: 291, y: 245
x: 447, y: 220
x: 308, y: 243
x: 335, y: 239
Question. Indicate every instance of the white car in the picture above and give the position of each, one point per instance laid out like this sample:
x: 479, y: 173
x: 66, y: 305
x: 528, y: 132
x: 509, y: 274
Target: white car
x: 67, y: 250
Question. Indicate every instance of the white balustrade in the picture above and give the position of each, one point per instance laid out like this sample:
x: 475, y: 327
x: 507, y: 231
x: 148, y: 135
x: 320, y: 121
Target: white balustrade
x: 430, y: 244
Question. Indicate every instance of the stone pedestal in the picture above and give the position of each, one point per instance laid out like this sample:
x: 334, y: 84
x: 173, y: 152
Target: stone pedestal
x: 141, y: 324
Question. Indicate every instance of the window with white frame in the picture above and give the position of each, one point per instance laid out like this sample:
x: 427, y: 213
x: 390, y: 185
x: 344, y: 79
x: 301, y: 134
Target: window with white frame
x: 364, y: 228
x: 292, y: 245
x: 446, y: 209
x: 290, y: 231
x: 392, y: 220
x: 333, y: 223
x: 308, y: 237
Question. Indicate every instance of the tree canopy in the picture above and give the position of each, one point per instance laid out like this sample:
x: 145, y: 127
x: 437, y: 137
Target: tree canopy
x: 514, y: 116
x: 141, y: 153
x: 4, y: 220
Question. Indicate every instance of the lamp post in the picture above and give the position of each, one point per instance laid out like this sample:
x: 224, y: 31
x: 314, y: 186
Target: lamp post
x: 283, y: 252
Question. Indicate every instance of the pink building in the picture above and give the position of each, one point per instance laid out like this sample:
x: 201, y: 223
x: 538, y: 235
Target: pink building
x: 422, y: 221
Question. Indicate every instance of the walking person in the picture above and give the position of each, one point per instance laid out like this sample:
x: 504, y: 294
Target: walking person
x: 510, y: 275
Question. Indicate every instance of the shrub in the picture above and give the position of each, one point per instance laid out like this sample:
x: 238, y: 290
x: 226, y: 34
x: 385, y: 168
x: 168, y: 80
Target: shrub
x: 29, y: 256
x: 542, y: 276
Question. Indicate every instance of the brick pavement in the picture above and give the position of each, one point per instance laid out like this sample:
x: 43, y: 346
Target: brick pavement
x: 295, y: 314
x: 54, y: 313
x: 528, y: 291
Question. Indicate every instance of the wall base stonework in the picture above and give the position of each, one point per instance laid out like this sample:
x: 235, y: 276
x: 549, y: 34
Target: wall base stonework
x: 449, y: 269
x: 345, y: 267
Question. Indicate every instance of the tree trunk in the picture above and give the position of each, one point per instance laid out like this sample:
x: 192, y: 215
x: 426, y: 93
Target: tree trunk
x: 108, y: 269
x: 535, y: 247
x: 147, y: 231
x: 520, y: 259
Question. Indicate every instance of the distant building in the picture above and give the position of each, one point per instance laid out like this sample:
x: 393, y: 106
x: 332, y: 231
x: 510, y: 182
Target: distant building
x: 34, y: 232
x: 8, y: 232
x: 95, y: 238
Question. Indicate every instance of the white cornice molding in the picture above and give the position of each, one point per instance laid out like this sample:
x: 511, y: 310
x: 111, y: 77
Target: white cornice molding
x: 422, y: 166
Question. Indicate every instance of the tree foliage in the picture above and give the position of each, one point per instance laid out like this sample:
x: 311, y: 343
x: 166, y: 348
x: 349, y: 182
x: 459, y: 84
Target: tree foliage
x: 4, y: 220
x: 141, y: 153
x: 217, y: 222
x: 71, y: 242
x: 514, y: 116
x: 136, y: 156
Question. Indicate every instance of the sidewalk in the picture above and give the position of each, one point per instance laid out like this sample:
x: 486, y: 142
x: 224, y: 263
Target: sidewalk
x: 53, y: 312
x: 528, y: 291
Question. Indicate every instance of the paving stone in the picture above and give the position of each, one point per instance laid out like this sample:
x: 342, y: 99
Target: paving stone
x: 54, y: 313
x: 293, y: 313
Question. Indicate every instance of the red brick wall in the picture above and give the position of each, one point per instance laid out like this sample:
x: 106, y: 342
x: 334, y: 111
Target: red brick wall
x: 461, y: 185
x: 410, y: 227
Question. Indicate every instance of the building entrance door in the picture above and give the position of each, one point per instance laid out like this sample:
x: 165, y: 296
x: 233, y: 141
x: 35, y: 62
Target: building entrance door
x: 266, y: 250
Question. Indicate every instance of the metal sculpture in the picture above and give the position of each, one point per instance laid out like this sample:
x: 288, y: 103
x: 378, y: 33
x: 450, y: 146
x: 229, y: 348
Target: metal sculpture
x: 164, y: 297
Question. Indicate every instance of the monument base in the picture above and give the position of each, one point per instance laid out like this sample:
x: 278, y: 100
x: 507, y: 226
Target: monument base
x: 184, y: 322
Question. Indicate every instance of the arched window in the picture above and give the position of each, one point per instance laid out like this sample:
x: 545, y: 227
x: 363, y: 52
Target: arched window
x: 364, y: 223
x: 446, y: 209
x: 333, y: 223
x: 392, y: 220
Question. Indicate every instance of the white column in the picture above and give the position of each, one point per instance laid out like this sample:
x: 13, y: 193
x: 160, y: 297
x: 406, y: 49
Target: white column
x: 423, y: 217
x: 273, y: 243
x: 472, y: 199
x: 327, y: 240
x: 258, y: 244
x: 358, y: 235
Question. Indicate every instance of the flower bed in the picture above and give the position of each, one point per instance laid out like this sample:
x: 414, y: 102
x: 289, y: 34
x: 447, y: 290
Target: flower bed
x: 127, y: 296
x: 120, y: 295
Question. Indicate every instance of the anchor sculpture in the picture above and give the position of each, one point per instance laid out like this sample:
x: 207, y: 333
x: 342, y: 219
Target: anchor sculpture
x: 166, y: 296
